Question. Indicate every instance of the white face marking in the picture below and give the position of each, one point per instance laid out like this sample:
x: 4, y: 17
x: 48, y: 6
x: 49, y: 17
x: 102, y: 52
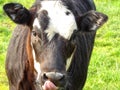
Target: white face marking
x: 59, y: 21
x: 36, y: 64
x: 36, y: 23
x: 69, y: 60
x: 50, y: 33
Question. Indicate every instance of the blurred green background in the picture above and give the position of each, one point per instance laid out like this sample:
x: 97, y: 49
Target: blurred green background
x: 104, y: 68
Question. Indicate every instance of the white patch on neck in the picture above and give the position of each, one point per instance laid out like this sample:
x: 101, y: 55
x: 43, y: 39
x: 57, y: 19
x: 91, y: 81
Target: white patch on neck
x: 36, y: 64
x: 59, y: 23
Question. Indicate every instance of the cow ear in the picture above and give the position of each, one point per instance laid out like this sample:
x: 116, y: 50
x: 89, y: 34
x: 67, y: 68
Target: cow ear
x: 91, y: 21
x: 17, y: 13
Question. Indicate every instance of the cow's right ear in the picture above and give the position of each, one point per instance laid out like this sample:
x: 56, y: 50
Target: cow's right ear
x: 17, y: 13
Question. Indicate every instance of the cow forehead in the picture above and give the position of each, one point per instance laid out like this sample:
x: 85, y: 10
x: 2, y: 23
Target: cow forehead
x: 62, y: 20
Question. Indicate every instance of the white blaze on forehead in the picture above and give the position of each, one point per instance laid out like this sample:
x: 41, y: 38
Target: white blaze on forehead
x: 59, y: 21
x: 36, y: 64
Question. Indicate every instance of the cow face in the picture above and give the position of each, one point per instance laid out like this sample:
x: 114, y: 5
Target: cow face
x: 51, y: 38
x: 52, y: 30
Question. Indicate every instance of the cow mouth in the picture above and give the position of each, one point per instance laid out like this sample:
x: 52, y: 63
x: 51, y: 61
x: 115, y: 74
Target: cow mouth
x: 48, y: 85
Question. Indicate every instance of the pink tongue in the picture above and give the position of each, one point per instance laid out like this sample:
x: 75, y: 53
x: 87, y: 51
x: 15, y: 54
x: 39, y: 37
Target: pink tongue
x: 49, y: 86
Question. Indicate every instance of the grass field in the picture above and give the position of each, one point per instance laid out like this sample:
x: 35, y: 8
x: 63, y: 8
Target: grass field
x: 104, y: 68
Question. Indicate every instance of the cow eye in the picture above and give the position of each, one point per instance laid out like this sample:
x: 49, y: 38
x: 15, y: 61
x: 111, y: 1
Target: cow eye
x: 34, y: 33
x: 67, y: 13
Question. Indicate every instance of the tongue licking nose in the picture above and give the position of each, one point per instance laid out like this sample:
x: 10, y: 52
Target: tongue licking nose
x: 48, y: 85
x: 52, y: 76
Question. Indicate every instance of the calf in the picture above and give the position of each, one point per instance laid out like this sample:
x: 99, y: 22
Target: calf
x: 51, y: 46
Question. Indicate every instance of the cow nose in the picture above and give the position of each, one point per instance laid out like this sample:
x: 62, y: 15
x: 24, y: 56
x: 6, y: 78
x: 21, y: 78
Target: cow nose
x: 53, y: 76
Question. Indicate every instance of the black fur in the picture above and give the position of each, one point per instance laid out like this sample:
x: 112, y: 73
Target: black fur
x: 17, y: 13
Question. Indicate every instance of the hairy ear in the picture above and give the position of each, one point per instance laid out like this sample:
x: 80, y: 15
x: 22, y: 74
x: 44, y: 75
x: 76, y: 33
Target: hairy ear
x: 91, y: 21
x: 17, y: 13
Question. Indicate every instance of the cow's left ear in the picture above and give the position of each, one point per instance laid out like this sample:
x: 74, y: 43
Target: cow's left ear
x: 17, y: 13
x: 91, y: 21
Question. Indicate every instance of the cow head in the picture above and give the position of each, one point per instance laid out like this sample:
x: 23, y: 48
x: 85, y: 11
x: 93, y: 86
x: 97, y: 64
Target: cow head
x: 51, y: 37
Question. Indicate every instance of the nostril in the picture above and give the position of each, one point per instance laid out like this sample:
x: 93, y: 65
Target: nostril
x: 62, y: 77
x: 45, y: 77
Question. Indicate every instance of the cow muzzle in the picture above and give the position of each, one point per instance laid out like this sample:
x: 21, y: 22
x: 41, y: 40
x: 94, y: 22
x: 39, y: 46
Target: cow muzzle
x: 53, y: 81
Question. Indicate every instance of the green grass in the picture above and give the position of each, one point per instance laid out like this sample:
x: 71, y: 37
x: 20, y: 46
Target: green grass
x: 104, y: 68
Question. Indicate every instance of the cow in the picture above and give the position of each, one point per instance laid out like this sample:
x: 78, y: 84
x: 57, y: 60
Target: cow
x: 51, y: 46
